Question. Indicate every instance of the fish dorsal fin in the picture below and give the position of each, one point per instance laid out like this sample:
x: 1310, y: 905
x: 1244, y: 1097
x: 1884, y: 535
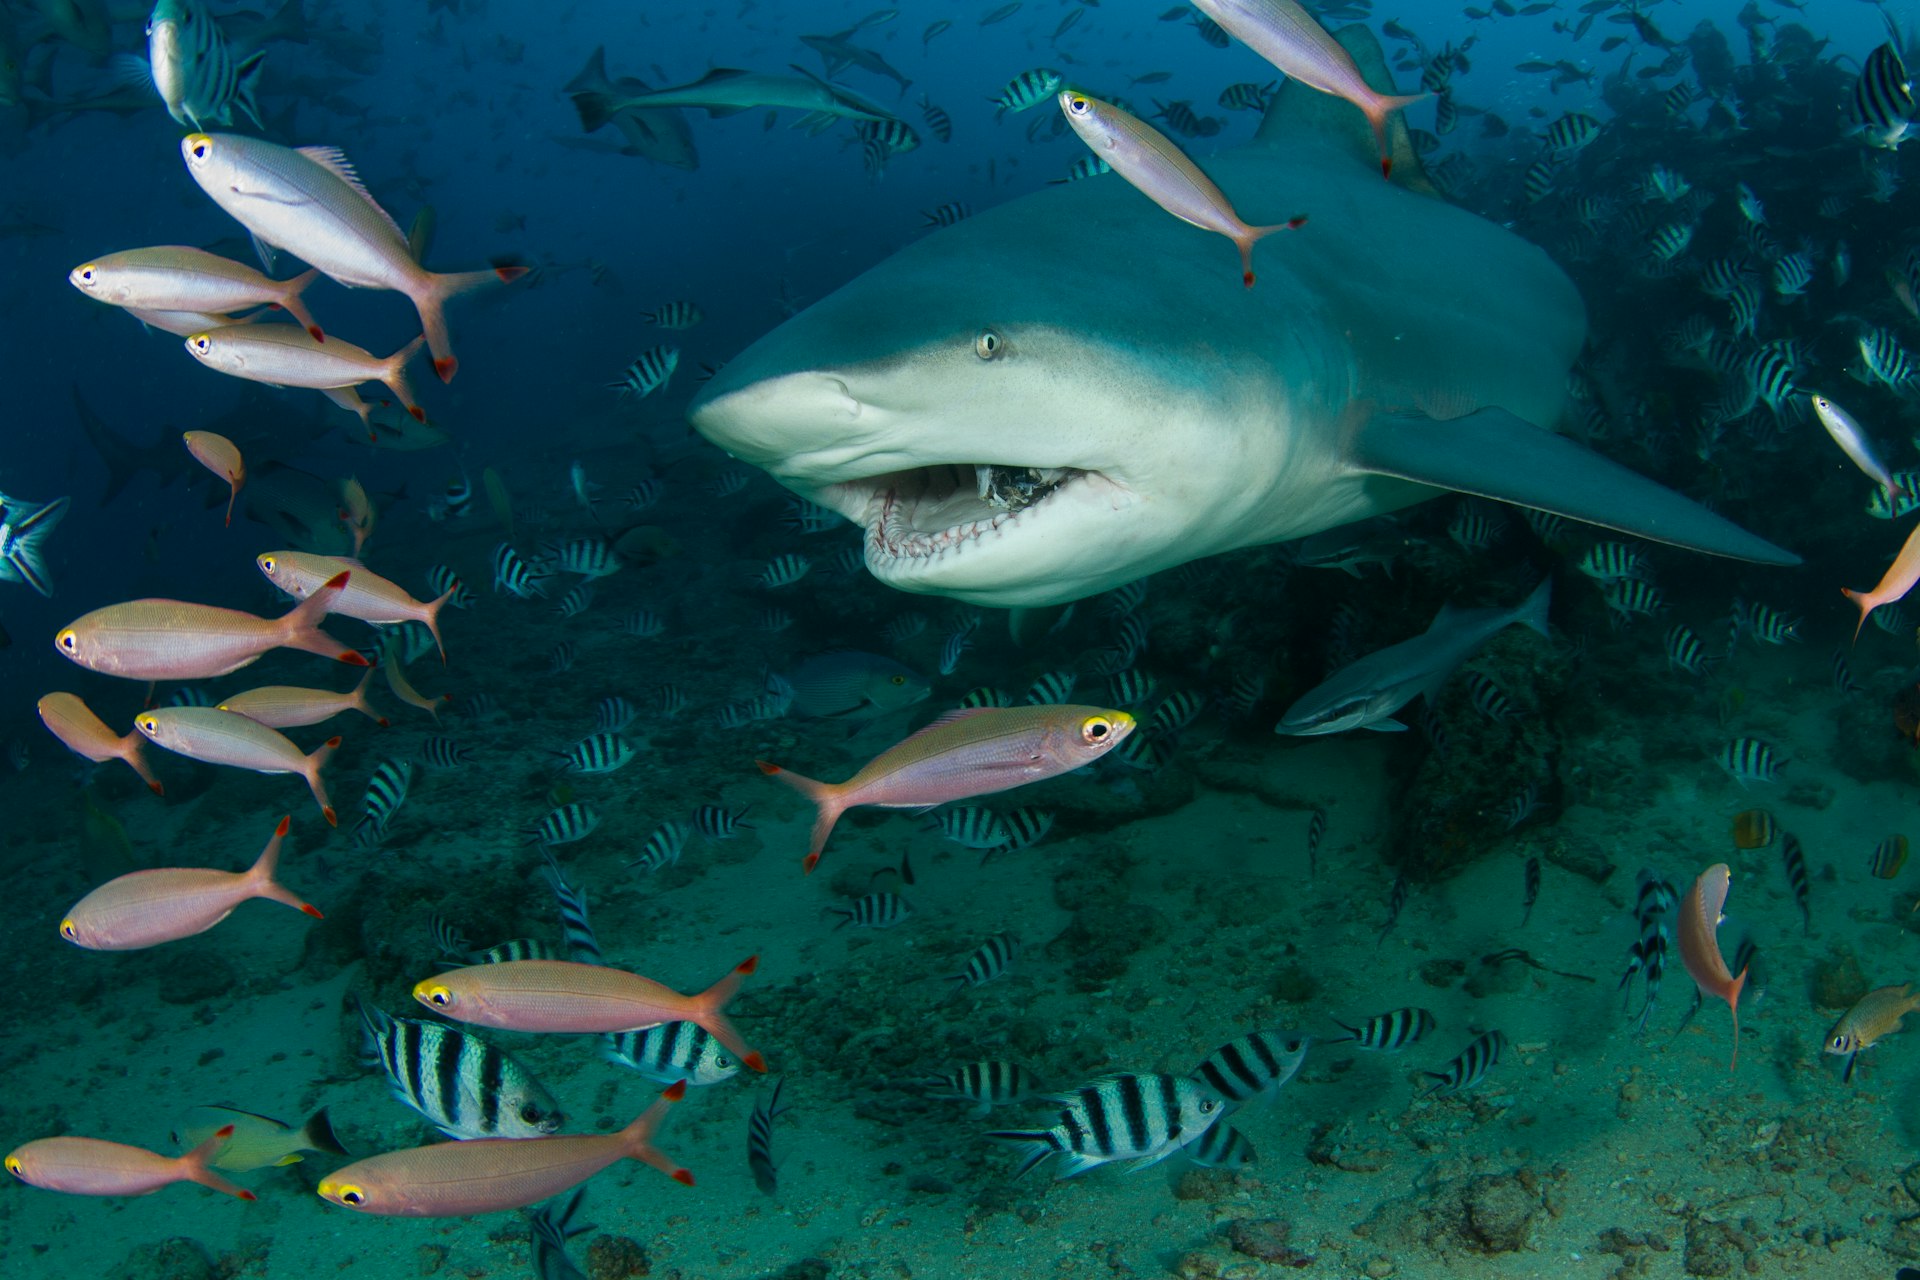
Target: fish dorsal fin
x: 335, y: 161
x: 1300, y: 110
x: 941, y: 721
x: 593, y: 76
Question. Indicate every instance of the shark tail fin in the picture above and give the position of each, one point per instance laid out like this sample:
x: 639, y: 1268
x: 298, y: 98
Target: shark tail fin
x: 1495, y: 454
x: 1298, y: 111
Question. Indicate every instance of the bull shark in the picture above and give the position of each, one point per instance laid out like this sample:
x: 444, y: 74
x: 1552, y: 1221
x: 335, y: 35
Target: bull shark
x: 1071, y: 391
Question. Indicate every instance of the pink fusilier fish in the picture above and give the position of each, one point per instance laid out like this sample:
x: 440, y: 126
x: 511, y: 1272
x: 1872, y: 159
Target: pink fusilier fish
x: 564, y: 997
x: 1854, y: 443
x: 491, y: 1175
x: 1894, y: 583
x: 311, y: 203
x: 1699, y: 924
x: 174, y: 640
x: 165, y: 904
x: 91, y: 1167
x: 283, y: 356
x: 368, y: 597
x: 222, y: 457
x: 1148, y: 159
x: 1289, y: 37
x: 183, y: 324
x: 86, y: 734
x: 972, y: 752
x: 213, y: 736
x: 281, y: 706
x: 172, y: 277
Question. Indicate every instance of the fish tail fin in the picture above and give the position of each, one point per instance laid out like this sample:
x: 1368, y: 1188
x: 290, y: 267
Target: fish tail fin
x: 300, y: 625
x: 318, y: 785
x: 433, y: 619
x: 25, y: 555
x: 246, y: 84
x: 295, y: 305
x: 636, y: 1140
x: 442, y: 285
x: 1036, y: 1144
x: 1733, y: 1006
x: 394, y: 372
x: 1378, y: 109
x: 1534, y: 612
x: 261, y: 876
x: 1865, y: 605
x: 133, y: 749
x: 359, y: 700
x: 594, y: 108
x: 825, y: 795
x: 317, y: 1133
x: 197, y: 1166
x: 708, y: 1013
x: 1254, y: 235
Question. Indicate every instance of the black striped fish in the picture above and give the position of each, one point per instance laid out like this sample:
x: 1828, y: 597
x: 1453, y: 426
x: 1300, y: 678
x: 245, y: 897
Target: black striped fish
x: 716, y: 822
x: 946, y: 215
x: 1470, y: 1068
x: 985, y: 696
x: 986, y: 1085
x: 1571, y: 132
x: 576, y: 930
x: 1248, y: 95
x: 988, y: 961
x: 1025, y: 826
x: 1028, y: 89
x: 1140, y: 1118
x: 650, y: 372
x: 760, y: 1140
x: 612, y: 714
x: 193, y: 69
x: 673, y: 1051
x: 442, y: 581
x: 463, y: 1085
x: 644, y: 623
x: 1316, y: 832
x: 1389, y: 1032
x: 674, y: 315
x: 588, y: 557
x: 873, y: 911
x: 1221, y: 1147
x: 973, y: 826
x: 663, y: 847
x: 1087, y: 166
x: 1256, y: 1064
x: 784, y: 571
x: 1750, y: 760
x: 939, y: 123
x: 1209, y: 30
x: 386, y: 792
x: 576, y: 601
x: 514, y: 575
x: 548, y: 1229
x: 1685, y: 652
x: 1488, y: 698
x: 1795, y: 859
x: 444, y: 753
x: 598, y: 753
x: 1881, y: 108
x: 1175, y: 712
x: 566, y: 824
x: 560, y: 658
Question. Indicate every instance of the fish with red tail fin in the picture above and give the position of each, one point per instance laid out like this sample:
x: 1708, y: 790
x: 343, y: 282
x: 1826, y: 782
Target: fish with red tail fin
x: 1699, y: 923
x: 975, y: 751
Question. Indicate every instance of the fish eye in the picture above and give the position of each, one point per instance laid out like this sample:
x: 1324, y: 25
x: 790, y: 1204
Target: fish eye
x: 352, y: 1196
x: 437, y: 996
x: 1208, y: 1106
x: 899, y: 680
x: 67, y: 640
x: 69, y: 931
x: 86, y: 274
x: 266, y: 564
x: 146, y: 724
x: 16, y: 1168
x: 1096, y: 729
x: 200, y: 146
x: 200, y: 343
x: 723, y: 1062
x: 988, y: 344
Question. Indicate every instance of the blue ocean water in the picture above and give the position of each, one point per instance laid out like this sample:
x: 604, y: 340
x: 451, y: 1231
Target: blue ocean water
x: 1544, y: 824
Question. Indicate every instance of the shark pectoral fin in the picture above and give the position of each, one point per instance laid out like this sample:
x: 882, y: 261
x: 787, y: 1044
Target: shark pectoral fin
x: 1386, y: 726
x: 1494, y: 454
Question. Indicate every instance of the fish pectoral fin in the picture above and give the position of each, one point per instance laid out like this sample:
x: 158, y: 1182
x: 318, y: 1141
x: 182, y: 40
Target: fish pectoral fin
x: 1386, y: 726
x: 1495, y: 454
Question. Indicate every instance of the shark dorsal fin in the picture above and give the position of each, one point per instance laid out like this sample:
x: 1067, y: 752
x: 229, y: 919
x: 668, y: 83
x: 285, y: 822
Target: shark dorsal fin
x: 1299, y: 110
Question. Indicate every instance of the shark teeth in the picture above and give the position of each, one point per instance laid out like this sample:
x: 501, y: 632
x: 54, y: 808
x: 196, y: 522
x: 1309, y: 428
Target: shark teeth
x: 902, y: 507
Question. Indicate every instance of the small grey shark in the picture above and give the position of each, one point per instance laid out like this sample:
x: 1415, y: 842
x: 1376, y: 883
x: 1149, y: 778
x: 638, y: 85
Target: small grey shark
x: 1073, y: 390
x: 1365, y: 693
x: 725, y: 91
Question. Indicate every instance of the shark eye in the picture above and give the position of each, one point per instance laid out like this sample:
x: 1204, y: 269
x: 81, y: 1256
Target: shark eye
x: 988, y: 344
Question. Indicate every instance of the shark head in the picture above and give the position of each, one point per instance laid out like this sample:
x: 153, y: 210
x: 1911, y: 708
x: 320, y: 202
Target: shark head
x: 999, y: 441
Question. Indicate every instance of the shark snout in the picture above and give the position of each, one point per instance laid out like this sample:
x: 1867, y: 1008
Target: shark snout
x: 768, y: 419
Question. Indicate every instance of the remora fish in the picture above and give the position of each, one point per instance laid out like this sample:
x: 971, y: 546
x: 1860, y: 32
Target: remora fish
x: 1366, y: 693
x: 1181, y: 417
x: 725, y: 91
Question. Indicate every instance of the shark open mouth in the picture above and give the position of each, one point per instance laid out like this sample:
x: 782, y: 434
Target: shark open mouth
x: 926, y: 512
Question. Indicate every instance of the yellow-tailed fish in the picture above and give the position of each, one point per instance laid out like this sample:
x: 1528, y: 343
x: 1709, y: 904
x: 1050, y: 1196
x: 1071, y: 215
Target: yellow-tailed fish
x: 283, y: 356
x: 175, y: 640
x: 1289, y: 37
x: 85, y: 734
x: 311, y: 203
x: 280, y: 706
x: 1894, y: 583
x: 222, y: 457
x: 91, y: 1167
x: 972, y: 752
x: 1145, y: 157
x: 368, y: 596
x: 489, y: 1175
x: 172, y: 277
x: 257, y: 1142
x: 165, y: 904
x: 213, y: 736
x: 565, y: 997
x: 403, y: 688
